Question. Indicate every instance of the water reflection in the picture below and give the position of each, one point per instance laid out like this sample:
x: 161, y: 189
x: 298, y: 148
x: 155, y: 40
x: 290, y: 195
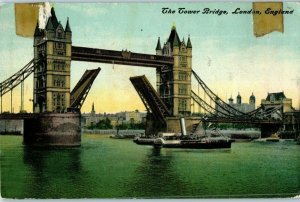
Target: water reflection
x: 109, y: 168
x: 53, y: 171
x: 156, y: 176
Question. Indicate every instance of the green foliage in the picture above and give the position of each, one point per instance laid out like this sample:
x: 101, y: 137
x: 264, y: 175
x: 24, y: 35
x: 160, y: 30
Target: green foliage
x: 106, y: 124
x: 102, y: 124
x: 125, y: 126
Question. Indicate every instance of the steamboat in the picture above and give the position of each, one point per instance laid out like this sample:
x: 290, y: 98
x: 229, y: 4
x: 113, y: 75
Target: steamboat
x: 197, y: 140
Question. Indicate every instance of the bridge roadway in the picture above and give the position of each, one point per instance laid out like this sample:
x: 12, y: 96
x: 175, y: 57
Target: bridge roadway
x: 120, y: 57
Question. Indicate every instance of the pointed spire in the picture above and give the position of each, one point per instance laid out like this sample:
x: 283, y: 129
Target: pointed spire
x: 59, y: 25
x: 49, y: 25
x: 173, y: 26
x: 176, y: 41
x: 54, y: 18
x: 37, y: 31
x: 183, y: 41
x: 158, y: 46
x: 239, y: 99
x: 174, y: 37
x: 93, y: 107
x: 189, y: 44
x: 68, y: 28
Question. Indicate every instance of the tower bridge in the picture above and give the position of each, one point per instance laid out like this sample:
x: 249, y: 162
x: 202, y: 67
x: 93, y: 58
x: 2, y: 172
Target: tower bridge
x: 56, y: 107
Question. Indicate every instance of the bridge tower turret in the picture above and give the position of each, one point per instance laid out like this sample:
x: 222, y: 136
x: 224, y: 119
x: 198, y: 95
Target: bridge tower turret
x: 52, y: 49
x: 238, y: 99
x: 230, y: 100
x: 158, y: 47
x: 174, y: 83
x: 252, y: 101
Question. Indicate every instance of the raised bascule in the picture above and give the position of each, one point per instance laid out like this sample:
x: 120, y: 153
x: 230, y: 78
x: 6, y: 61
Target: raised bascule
x: 56, y: 117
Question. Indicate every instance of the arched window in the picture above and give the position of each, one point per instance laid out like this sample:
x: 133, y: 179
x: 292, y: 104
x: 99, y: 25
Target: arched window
x: 59, y: 34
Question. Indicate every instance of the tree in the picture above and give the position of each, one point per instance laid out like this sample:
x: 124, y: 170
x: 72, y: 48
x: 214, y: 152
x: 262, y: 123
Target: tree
x: 102, y: 124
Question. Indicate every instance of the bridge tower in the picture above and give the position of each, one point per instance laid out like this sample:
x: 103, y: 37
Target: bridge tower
x: 252, y: 101
x: 238, y: 99
x: 174, y: 83
x: 52, y: 49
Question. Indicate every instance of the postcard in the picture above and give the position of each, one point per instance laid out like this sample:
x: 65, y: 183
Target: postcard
x: 149, y: 100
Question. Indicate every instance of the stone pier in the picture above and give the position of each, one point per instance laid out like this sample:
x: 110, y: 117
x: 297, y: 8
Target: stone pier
x: 53, y: 129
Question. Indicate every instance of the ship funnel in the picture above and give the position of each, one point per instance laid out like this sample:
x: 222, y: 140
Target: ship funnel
x: 182, y: 124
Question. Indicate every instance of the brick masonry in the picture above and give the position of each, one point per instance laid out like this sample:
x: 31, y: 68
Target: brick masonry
x: 53, y: 129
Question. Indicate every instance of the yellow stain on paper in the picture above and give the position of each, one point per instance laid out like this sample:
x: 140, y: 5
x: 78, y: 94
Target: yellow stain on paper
x: 26, y: 16
x: 267, y: 23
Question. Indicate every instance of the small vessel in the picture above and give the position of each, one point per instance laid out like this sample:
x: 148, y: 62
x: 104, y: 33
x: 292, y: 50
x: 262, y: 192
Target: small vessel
x: 167, y: 140
x: 273, y: 138
x: 144, y: 140
x: 182, y: 140
x: 200, y: 143
x: 123, y: 136
x: 149, y: 140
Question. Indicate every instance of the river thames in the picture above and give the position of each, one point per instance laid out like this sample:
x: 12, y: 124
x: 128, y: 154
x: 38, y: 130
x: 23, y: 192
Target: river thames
x: 117, y: 168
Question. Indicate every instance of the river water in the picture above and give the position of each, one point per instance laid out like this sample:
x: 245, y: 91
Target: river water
x: 117, y: 168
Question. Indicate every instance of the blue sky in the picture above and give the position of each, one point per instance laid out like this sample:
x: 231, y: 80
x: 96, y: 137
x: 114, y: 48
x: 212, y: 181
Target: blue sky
x: 226, y: 54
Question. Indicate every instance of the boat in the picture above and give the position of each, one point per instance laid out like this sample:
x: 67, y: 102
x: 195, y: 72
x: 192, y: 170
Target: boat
x: 123, y: 136
x: 149, y: 140
x: 273, y: 138
x: 201, y: 143
x: 182, y: 140
x: 144, y: 140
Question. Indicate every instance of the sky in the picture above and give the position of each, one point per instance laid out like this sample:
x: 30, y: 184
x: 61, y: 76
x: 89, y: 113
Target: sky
x: 226, y: 54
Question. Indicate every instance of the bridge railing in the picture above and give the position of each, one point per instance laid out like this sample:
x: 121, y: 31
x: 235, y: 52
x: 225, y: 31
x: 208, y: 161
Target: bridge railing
x: 17, y: 78
x: 223, y: 112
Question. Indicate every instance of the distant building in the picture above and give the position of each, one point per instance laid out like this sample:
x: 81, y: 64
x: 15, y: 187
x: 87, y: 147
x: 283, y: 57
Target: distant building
x: 291, y: 117
x: 243, y: 107
x: 292, y: 122
x: 274, y: 99
x: 12, y: 126
x: 90, y: 119
x: 134, y: 116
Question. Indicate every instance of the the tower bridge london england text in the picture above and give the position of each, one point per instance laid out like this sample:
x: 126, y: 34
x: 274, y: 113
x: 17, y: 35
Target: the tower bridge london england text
x: 150, y: 100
